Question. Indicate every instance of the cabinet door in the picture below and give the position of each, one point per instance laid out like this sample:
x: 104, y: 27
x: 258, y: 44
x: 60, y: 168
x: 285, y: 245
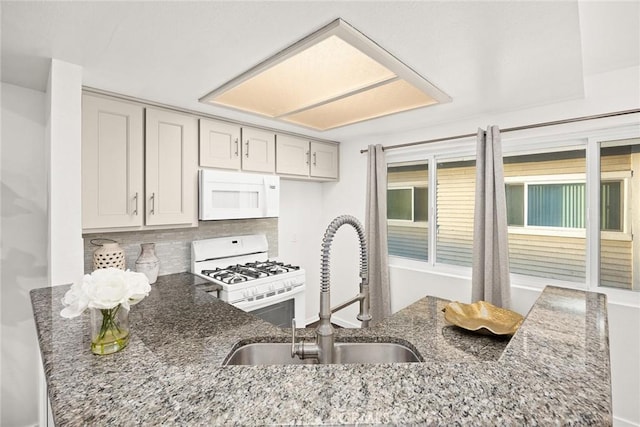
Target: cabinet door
x: 258, y: 150
x: 171, y: 168
x: 112, y: 163
x: 324, y: 160
x: 219, y: 144
x: 292, y: 155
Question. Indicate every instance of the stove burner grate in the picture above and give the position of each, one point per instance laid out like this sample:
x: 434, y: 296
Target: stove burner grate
x: 252, y: 270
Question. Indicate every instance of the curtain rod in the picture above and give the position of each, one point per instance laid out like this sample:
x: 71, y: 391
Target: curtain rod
x: 513, y: 129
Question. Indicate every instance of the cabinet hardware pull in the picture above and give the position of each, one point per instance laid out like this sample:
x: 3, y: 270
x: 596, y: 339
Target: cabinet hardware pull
x: 135, y: 211
x: 237, y: 147
x: 314, y: 159
x: 307, y: 155
x: 153, y: 204
x: 246, y: 153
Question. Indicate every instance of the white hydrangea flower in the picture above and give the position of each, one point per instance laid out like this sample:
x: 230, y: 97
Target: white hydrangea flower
x: 75, y: 301
x: 105, y: 289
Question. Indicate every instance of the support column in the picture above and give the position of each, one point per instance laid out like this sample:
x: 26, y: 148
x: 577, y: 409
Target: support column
x: 64, y: 134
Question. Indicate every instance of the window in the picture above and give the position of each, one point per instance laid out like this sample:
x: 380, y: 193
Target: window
x: 562, y: 205
x: 568, y: 222
x: 407, y: 204
x: 408, y: 210
x: 619, y: 214
x: 611, y: 202
x: 546, y: 214
x: 456, y: 188
x: 546, y: 205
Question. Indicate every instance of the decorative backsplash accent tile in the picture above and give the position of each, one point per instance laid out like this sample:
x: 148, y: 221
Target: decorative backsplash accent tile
x: 173, y: 246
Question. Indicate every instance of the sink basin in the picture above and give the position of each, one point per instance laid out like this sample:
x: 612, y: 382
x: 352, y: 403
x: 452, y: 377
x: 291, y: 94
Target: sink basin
x: 280, y: 354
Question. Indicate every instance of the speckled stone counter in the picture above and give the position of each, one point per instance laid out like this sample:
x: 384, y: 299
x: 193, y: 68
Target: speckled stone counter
x: 554, y: 371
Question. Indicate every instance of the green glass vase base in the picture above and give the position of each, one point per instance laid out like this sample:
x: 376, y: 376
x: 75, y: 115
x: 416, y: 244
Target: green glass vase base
x: 109, y: 330
x: 109, y: 344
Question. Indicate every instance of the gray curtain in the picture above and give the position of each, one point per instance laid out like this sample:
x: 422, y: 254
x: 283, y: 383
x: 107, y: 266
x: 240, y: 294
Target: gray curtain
x: 376, y: 230
x: 490, y: 280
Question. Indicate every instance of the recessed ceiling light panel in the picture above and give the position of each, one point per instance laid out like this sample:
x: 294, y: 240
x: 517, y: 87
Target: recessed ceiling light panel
x: 334, y: 77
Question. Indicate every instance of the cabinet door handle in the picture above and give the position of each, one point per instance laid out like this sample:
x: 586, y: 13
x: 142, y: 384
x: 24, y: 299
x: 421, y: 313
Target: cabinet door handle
x: 308, y: 156
x: 152, y: 211
x: 246, y: 152
x: 135, y: 211
x: 314, y: 159
x: 237, y: 147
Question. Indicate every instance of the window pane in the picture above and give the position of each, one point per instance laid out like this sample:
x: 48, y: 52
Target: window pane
x: 399, y: 204
x: 421, y: 204
x: 556, y: 205
x: 408, y: 238
x: 611, y: 206
x: 619, y: 214
x: 515, y: 204
x: 547, y: 253
x: 456, y: 185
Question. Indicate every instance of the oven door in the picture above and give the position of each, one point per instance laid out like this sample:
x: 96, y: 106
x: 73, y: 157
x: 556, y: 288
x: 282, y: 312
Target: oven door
x: 278, y: 309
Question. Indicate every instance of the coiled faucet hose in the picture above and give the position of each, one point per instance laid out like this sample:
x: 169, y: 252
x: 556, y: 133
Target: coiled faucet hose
x: 325, y: 271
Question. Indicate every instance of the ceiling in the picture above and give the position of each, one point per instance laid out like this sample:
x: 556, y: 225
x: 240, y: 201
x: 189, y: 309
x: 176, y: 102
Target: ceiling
x: 488, y: 56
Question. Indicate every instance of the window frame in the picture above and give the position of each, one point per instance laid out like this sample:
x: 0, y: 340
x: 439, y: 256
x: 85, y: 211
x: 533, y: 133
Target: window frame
x: 526, y: 180
x: 583, y: 136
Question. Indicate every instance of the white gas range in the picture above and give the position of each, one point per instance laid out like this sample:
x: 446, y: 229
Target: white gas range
x: 272, y: 290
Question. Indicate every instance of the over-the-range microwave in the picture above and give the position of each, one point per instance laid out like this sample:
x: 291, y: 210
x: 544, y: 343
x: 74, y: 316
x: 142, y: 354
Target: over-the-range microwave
x: 234, y: 195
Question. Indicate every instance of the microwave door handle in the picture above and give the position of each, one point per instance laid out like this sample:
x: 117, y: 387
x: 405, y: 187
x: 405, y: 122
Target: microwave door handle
x: 265, y: 198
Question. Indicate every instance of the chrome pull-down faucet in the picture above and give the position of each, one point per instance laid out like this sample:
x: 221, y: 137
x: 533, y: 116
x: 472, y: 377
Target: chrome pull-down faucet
x: 322, y: 349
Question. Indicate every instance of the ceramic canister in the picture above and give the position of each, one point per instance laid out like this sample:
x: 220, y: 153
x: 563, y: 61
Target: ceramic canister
x: 148, y: 263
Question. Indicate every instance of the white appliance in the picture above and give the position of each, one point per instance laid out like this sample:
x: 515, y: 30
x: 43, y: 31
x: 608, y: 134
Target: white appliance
x: 233, y: 195
x: 272, y: 290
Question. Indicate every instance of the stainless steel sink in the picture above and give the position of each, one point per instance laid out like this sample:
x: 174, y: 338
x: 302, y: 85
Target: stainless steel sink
x: 280, y: 354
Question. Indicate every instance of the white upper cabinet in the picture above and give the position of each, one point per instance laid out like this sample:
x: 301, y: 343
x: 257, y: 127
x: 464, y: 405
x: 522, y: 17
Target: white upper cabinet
x: 140, y: 164
x: 228, y: 146
x: 219, y: 144
x: 292, y: 155
x: 171, y: 161
x: 304, y: 158
x: 258, y: 150
x: 112, y: 163
x: 324, y: 160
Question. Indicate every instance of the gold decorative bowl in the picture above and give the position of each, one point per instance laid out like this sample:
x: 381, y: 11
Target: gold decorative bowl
x: 482, y: 316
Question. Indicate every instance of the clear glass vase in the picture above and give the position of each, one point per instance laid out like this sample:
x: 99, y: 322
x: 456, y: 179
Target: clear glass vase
x: 109, y: 329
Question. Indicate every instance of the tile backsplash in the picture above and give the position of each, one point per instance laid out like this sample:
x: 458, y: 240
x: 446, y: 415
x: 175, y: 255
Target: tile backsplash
x: 173, y: 246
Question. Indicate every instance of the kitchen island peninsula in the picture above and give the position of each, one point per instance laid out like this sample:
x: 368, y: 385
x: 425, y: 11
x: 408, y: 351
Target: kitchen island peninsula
x: 555, y: 369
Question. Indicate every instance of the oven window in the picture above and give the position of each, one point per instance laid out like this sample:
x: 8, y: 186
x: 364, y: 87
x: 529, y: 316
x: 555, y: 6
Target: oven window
x: 279, y: 314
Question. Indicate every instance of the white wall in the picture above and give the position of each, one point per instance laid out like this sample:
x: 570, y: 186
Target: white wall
x: 24, y: 248
x: 300, y: 228
x: 606, y: 92
x: 41, y: 223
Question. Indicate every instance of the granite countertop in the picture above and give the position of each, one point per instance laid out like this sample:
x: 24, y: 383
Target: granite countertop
x: 555, y: 370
